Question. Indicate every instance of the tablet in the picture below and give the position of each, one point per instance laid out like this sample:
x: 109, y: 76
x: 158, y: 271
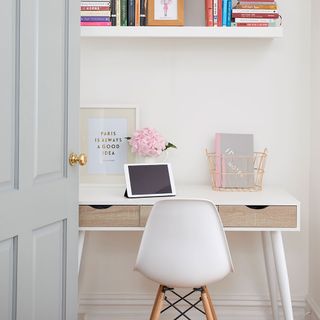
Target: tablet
x: 149, y: 180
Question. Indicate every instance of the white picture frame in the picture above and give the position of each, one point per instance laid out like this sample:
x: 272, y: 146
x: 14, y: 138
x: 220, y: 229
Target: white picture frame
x: 104, y: 129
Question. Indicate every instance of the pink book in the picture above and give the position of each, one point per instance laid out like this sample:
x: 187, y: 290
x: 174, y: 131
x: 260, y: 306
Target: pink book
x: 95, y: 24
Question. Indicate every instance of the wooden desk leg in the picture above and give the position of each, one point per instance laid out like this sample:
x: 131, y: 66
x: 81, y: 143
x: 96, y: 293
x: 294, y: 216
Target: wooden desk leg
x: 82, y: 235
x: 281, y: 267
x: 271, y: 272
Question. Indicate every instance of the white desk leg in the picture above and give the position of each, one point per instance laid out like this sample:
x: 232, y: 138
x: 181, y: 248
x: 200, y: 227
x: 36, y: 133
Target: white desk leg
x: 82, y: 235
x: 281, y: 267
x: 271, y: 272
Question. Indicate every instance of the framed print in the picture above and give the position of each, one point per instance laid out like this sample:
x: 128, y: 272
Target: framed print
x: 103, y: 139
x: 165, y: 13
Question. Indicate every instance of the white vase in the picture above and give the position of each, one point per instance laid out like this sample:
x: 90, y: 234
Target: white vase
x: 159, y: 159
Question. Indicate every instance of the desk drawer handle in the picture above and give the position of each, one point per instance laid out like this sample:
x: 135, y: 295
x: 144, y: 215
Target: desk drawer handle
x: 257, y: 207
x: 100, y: 207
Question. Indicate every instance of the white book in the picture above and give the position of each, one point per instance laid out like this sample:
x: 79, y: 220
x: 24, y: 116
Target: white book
x: 95, y: 3
x: 255, y: 20
x: 253, y: 11
x: 95, y: 13
x: 215, y: 12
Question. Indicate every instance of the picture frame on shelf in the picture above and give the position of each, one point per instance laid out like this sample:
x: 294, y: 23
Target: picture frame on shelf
x: 165, y: 13
x: 104, y: 129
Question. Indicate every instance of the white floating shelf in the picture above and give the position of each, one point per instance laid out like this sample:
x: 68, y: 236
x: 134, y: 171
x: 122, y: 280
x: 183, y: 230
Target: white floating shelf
x: 182, y: 32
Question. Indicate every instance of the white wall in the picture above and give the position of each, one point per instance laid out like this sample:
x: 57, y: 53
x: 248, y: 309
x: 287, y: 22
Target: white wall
x: 314, y: 277
x: 189, y: 89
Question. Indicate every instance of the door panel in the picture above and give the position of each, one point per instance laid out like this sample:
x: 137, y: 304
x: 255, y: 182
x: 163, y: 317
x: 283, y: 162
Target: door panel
x: 8, y: 288
x: 51, y: 89
x: 49, y: 264
x: 8, y: 120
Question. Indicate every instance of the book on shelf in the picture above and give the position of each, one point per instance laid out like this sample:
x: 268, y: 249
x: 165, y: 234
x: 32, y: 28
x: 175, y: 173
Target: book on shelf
x: 143, y: 12
x: 113, y: 13
x: 208, y: 13
x: 118, y: 13
x: 219, y: 13
x: 254, y: 11
x: 137, y: 13
x: 256, y: 6
x: 254, y: 24
x: 256, y: 15
x: 94, y: 8
x: 95, y: 19
x: 215, y: 12
x: 224, y: 12
x: 258, y: 1
x: 131, y: 13
x: 124, y: 13
x: 229, y: 12
x: 96, y: 3
x: 95, y: 24
x: 100, y: 13
x: 234, y: 160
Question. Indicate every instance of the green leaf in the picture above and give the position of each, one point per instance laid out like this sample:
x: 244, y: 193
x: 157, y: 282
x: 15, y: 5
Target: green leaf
x: 170, y: 145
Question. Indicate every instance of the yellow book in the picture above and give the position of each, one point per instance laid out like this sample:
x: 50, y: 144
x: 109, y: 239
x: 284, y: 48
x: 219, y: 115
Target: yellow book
x: 256, y: 6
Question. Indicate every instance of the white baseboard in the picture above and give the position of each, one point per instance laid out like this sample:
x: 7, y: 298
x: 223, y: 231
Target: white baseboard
x: 137, y: 307
x: 312, y: 308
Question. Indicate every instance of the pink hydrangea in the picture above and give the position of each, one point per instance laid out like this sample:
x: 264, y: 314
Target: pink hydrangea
x: 147, y: 142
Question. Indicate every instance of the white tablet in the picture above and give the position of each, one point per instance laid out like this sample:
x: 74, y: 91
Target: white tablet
x: 149, y: 180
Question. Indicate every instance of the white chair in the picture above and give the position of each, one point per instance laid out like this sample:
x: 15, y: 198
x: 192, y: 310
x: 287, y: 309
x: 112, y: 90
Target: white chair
x: 184, y: 246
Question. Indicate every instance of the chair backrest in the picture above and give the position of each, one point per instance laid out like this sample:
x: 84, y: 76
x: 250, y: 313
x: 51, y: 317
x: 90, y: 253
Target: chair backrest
x: 184, y: 244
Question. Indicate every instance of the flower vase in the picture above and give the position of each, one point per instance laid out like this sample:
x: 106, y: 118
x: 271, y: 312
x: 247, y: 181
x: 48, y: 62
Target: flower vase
x: 159, y: 159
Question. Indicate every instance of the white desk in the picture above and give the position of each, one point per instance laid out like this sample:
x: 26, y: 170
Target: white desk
x: 270, y: 211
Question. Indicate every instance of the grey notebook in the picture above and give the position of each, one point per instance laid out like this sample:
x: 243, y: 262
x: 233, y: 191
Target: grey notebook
x: 237, y: 159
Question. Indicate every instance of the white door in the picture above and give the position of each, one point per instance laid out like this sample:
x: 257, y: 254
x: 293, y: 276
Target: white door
x: 39, y: 101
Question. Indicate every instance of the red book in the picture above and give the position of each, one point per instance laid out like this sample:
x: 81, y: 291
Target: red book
x: 219, y: 13
x: 256, y: 15
x: 209, y: 13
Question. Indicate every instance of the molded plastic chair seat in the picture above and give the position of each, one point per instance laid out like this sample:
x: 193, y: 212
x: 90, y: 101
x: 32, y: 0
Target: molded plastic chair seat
x: 184, y: 245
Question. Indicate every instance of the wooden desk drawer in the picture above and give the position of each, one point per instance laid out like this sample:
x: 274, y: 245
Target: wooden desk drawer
x: 144, y: 214
x: 114, y: 216
x: 268, y: 217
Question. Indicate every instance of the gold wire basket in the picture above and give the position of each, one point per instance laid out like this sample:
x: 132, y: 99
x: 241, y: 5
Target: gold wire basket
x: 228, y: 172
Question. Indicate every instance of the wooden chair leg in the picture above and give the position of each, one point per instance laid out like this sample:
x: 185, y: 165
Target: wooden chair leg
x: 210, y: 303
x: 157, y: 306
x: 206, y: 305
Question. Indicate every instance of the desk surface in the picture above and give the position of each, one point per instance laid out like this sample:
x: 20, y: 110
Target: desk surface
x: 99, y: 195
x: 283, y: 212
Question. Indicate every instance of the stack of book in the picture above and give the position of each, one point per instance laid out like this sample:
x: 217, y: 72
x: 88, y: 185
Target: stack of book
x: 218, y: 13
x: 113, y: 13
x: 256, y: 13
x: 96, y: 13
x: 242, y: 13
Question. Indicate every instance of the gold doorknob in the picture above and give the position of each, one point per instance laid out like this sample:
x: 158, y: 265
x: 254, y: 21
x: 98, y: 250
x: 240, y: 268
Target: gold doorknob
x: 74, y: 159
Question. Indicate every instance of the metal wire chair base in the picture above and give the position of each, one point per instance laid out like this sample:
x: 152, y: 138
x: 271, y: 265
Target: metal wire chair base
x: 182, y: 298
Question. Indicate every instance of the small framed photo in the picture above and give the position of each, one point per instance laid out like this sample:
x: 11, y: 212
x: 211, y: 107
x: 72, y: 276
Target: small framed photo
x: 103, y: 139
x: 165, y: 13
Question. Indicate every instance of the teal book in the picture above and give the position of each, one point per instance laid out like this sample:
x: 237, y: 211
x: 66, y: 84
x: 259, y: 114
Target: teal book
x: 229, y: 12
x: 224, y: 12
